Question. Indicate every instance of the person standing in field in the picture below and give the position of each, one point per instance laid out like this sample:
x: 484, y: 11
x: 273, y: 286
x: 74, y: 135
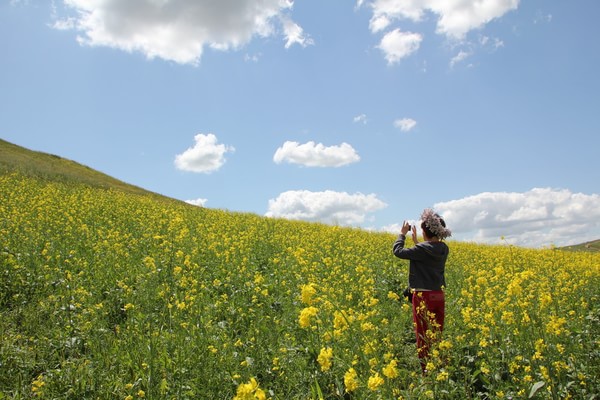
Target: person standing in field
x: 426, y: 278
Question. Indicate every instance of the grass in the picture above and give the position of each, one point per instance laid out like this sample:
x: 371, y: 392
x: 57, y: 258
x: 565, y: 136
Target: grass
x: 55, y: 168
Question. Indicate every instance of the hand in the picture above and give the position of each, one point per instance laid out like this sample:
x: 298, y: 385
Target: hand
x: 405, y: 228
x: 414, y: 235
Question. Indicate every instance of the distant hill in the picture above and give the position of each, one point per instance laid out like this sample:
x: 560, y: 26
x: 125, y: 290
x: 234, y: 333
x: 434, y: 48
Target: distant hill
x: 593, y: 246
x: 55, y: 168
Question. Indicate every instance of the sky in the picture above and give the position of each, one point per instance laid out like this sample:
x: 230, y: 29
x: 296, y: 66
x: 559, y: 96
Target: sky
x: 354, y: 113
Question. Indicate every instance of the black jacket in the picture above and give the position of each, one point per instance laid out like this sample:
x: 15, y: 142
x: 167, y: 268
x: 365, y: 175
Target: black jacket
x: 427, y: 263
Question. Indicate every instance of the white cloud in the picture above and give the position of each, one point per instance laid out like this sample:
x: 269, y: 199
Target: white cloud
x: 316, y: 155
x: 205, y: 156
x: 178, y: 30
x: 197, y: 202
x: 379, y: 23
x: 397, y: 44
x: 405, y: 124
x: 389, y: 10
x: 539, y: 217
x: 392, y: 228
x: 461, y: 56
x: 294, y: 34
x: 360, y: 118
x: 327, y: 207
x: 455, y: 18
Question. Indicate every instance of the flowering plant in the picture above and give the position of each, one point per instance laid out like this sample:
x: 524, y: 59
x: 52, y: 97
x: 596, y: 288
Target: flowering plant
x: 433, y: 222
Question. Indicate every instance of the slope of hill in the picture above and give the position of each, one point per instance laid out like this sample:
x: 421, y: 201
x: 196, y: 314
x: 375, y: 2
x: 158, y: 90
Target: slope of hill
x: 593, y: 246
x: 51, y: 167
x: 111, y: 295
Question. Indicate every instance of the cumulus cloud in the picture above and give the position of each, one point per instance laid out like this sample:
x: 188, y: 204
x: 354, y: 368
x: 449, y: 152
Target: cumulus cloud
x: 205, y: 156
x: 179, y: 30
x: 197, y: 202
x: 327, y: 207
x: 405, y: 124
x: 397, y: 45
x: 539, y: 217
x: 455, y: 18
x: 313, y: 154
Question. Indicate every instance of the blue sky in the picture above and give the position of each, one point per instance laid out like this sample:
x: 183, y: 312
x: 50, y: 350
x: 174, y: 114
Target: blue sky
x: 354, y: 113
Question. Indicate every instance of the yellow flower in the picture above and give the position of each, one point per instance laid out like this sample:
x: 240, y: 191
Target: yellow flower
x: 324, y: 358
x: 445, y: 345
x: 340, y: 320
x: 37, y: 385
x: 391, y: 370
x: 306, y: 315
x: 555, y: 325
x: 367, y: 326
x: 249, y: 391
x: 430, y: 366
x: 308, y: 291
x: 484, y: 368
x: 375, y: 381
x: 442, y: 376
x: 351, y: 380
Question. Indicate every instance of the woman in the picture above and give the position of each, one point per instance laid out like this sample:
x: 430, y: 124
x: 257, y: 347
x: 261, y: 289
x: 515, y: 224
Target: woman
x: 426, y: 278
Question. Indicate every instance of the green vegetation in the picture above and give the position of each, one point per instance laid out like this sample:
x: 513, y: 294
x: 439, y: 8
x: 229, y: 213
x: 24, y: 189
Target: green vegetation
x: 111, y: 294
x: 54, y: 168
x: 593, y: 246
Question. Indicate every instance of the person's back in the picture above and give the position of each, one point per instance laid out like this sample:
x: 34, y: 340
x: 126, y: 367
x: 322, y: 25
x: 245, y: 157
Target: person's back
x: 427, y: 263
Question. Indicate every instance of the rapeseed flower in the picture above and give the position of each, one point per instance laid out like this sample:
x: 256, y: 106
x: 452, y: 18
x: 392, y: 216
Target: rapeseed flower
x: 351, y: 380
x: 306, y: 315
x: 307, y: 293
x: 375, y: 381
x: 250, y: 391
x: 324, y: 358
x: 390, y: 371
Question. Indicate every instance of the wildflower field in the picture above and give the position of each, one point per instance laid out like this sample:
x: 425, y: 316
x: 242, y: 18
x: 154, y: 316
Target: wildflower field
x: 107, y: 295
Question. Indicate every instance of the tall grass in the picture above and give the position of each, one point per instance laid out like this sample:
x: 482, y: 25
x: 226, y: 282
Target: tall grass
x: 107, y: 295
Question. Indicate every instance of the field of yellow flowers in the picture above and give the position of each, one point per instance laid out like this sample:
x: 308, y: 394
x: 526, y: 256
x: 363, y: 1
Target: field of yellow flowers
x: 106, y: 295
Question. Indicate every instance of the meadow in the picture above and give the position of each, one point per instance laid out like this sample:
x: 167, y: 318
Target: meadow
x: 113, y: 295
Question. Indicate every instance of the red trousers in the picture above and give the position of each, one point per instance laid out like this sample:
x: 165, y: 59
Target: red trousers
x: 428, y: 317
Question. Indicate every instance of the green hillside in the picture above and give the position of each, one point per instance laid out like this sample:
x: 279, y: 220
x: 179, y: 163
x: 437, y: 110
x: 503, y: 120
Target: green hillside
x: 593, y: 246
x: 54, y: 168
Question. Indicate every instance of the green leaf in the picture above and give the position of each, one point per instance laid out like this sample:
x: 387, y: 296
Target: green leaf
x: 536, y: 386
